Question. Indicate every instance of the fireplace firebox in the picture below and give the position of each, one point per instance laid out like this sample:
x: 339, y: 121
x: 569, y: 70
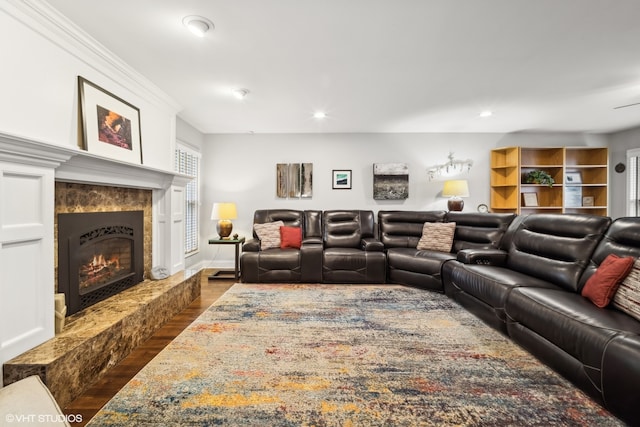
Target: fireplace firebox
x: 99, y: 255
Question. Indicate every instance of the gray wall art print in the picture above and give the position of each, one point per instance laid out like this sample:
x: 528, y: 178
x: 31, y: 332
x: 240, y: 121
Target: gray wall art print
x: 390, y: 181
x: 294, y: 180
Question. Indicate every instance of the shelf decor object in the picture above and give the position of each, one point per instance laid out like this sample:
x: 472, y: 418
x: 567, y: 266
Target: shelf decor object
x: 573, y: 196
x: 573, y: 178
x: 539, y: 177
x: 529, y: 199
x: 588, y: 201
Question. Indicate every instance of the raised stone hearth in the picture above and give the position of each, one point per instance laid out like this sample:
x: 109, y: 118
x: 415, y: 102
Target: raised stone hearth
x: 97, y: 338
x: 29, y: 170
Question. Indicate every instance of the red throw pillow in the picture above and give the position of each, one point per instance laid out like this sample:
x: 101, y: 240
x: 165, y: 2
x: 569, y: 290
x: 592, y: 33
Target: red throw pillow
x: 603, y: 284
x: 290, y: 237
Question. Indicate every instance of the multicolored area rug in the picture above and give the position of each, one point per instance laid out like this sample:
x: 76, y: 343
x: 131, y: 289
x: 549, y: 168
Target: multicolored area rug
x: 325, y: 355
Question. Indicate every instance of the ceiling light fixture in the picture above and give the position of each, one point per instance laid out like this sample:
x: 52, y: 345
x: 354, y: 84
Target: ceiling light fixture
x: 198, y: 25
x: 319, y: 115
x: 241, y: 93
x: 486, y: 113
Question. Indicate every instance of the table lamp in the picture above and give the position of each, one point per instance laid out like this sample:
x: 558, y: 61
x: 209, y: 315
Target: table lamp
x: 224, y: 213
x: 455, y: 189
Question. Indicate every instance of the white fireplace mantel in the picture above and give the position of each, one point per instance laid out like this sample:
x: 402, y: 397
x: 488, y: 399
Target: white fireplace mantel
x: 28, y: 171
x: 78, y: 166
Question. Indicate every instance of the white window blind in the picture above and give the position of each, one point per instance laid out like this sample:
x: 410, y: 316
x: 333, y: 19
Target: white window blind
x: 633, y: 187
x: 188, y: 162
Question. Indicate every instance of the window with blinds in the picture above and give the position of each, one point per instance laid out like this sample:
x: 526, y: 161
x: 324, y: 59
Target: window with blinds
x: 188, y: 162
x: 633, y: 198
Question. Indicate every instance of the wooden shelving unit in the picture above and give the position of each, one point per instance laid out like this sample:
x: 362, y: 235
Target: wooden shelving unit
x: 550, y: 160
x: 580, y: 175
x: 590, y: 194
x: 505, y: 176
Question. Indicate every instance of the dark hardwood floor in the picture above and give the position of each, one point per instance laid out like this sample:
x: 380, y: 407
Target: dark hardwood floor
x: 90, y: 402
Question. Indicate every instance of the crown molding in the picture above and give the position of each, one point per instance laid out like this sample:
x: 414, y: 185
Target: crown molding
x: 47, y: 21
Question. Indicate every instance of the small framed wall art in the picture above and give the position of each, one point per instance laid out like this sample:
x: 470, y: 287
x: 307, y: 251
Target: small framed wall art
x: 341, y: 179
x: 110, y: 125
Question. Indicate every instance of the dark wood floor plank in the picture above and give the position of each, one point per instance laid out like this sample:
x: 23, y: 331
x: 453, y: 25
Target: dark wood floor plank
x: 94, y: 398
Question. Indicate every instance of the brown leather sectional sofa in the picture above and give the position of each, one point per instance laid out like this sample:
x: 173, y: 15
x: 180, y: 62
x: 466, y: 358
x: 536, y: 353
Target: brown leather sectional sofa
x: 338, y: 246
x: 522, y: 275
x: 531, y: 291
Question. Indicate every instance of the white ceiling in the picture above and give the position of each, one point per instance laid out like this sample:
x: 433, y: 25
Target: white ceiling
x: 383, y: 65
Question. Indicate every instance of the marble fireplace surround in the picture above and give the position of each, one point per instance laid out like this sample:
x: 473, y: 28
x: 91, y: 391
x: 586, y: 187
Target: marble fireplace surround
x: 35, y: 178
x: 85, y: 198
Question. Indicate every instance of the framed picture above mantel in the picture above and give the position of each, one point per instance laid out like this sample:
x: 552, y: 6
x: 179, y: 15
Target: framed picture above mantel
x: 110, y: 125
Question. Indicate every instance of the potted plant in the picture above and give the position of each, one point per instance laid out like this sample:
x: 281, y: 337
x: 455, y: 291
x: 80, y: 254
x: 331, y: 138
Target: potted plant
x: 539, y: 177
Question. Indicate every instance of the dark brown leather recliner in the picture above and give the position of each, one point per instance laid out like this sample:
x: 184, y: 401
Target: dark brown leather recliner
x: 596, y: 348
x: 352, y: 252
x: 400, y: 232
x: 287, y: 265
x: 544, y: 251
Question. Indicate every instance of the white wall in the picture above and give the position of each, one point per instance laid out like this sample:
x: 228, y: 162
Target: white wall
x: 42, y: 56
x: 187, y: 134
x: 619, y: 144
x: 242, y: 169
x: 193, y: 138
x: 38, y: 82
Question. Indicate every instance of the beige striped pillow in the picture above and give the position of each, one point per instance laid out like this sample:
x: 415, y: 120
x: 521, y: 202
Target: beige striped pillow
x: 627, y: 297
x: 437, y: 236
x: 269, y: 234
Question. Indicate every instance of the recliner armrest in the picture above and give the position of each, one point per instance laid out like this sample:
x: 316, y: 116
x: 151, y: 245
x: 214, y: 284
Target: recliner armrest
x: 371, y: 244
x: 309, y: 241
x: 251, y: 245
x: 495, y: 257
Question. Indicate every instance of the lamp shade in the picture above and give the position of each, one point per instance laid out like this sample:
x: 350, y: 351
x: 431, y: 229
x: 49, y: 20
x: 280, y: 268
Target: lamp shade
x: 456, y: 188
x: 224, y: 211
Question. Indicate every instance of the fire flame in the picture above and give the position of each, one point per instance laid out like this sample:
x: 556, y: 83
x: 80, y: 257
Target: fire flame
x: 99, y: 262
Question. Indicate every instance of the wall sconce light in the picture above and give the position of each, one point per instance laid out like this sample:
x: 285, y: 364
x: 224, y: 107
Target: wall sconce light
x: 224, y: 213
x: 455, y: 189
x: 452, y: 167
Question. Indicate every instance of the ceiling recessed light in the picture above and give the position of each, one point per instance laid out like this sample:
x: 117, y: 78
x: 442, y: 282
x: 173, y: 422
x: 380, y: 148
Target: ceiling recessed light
x: 241, y: 93
x: 486, y: 113
x: 198, y: 25
x: 319, y: 115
